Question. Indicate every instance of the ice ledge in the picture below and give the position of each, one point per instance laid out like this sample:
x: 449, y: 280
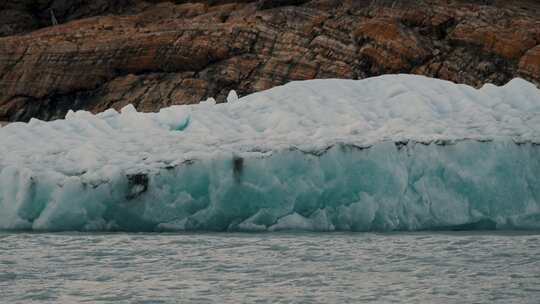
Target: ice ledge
x: 467, y: 185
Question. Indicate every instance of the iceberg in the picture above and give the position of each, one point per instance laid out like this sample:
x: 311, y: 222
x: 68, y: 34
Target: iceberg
x: 395, y: 152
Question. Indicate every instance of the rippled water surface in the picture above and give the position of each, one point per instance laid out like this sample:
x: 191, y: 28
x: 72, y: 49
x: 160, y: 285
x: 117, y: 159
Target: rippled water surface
x: 269, y: 268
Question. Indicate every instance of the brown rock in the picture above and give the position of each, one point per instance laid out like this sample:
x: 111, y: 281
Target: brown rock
x: 157, y: 53
x: 507, y: 43
x: 390, y: 45
x: 529, y: 65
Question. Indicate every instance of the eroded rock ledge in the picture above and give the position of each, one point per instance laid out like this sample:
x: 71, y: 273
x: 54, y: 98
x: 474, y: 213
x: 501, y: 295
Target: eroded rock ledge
x: 158, y: 53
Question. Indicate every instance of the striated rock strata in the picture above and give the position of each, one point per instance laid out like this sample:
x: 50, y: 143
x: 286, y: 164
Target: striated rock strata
x: 158, y: 53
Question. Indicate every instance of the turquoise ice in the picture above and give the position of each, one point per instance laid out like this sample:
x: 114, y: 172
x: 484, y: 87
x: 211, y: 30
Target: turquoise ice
x: 385, y: 187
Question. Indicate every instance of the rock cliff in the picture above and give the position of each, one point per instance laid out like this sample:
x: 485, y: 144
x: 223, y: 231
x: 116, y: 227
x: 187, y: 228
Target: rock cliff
x: 157, y: 53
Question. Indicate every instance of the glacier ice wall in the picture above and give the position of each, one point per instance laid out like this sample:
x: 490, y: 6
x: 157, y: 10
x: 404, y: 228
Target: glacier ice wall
x: 395, y: 152
x: 386, y: 187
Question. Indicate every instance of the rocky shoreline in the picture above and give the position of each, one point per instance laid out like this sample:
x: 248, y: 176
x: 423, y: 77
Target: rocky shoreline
x: 154, y: 54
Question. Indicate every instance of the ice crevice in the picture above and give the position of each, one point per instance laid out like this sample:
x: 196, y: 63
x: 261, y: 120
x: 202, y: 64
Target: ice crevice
x: 396, y: 152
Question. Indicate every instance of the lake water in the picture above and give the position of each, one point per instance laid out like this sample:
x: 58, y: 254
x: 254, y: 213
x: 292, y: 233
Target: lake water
x: 270, y: 268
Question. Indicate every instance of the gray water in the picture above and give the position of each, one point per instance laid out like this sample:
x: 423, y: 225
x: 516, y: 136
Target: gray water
x: 270, y: 268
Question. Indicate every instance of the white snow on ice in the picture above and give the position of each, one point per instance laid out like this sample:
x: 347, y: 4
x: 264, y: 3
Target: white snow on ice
x: 308, y: 115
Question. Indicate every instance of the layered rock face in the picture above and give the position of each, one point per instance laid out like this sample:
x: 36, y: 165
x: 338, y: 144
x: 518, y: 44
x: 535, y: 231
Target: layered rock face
x: 158, y: 53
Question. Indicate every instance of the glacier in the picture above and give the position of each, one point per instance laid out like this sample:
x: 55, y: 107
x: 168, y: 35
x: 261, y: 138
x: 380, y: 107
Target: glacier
x: 395, y: 152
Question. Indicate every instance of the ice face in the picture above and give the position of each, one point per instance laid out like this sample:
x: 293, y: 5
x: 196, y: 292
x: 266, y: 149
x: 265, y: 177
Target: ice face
x: 389, y: 153
x: 385, y: 187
